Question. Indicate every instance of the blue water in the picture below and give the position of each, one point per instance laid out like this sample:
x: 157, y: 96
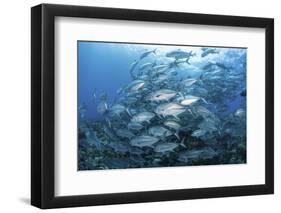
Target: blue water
x: 101, y: 70
x: 104, y: 68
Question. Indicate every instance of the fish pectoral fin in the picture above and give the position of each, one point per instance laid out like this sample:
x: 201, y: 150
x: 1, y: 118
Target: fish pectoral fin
x: 182, y: 143
x: 181, y: 94
x: 204, y: 100
x: 159, y: 116
x: 176, y: 117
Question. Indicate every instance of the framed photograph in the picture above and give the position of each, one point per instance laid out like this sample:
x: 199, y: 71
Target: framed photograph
x: 139, y: 106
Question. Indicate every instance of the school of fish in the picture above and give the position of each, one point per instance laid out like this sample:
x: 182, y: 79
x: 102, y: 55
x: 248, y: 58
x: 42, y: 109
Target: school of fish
x: 163, y: 118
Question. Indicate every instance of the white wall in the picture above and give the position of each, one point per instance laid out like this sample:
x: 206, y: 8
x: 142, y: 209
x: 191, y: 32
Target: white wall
x: 15, y: 105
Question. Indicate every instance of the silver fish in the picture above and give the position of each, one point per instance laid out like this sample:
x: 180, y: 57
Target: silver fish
x: 170, y: 109
x: 117, y: 109
x: 172, y: 124
x: 160, y: 67
x: 161, y: 78
x: 222, y: 66
x: 133, y: 66
x: 161, y: 95
x: 189, y: 82
x: 159, y: 131
x: 143, y: 117
x: 135, y: 126
x: 209, y: 125
x: 144, y: 140
x: 189, y: 99
x: 198, y: 133
x: 117, y: 163
x: 144, y: 77
x: 135, y: 85
x: 124, y: 133
x: 131, y: 100
x: 205, y: 153
x: 177, y: 62
x: 165, y: 147
x: 204, y: 112
x: 179, y: 54
x: 145, y: 66
x: 209, y: 66
x: 145, y: 54
x: 207, y: 51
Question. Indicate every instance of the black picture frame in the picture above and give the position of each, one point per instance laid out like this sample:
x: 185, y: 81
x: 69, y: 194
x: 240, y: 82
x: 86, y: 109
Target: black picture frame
x: 43, y: 102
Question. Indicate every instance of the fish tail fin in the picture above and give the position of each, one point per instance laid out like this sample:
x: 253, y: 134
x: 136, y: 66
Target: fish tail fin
x: 128, y: 111
x: 177, y: 135
x: 154, y: 51
x: 182, y: 143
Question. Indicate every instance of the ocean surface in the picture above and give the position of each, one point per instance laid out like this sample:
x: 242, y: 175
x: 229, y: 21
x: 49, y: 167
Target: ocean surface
x: 146, y: 105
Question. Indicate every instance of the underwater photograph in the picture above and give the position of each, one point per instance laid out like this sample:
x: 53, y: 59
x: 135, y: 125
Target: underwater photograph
x: 160, y: 105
